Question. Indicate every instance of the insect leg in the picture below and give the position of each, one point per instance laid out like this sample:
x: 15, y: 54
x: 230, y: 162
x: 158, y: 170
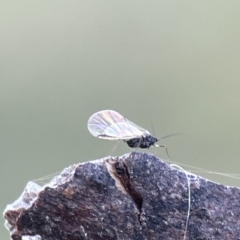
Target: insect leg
x: 139, y: 142
x: 164, y: 146
x: 114, y: 148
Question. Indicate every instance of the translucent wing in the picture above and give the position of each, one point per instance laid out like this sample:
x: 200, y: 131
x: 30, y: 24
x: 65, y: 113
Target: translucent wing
x: 111, y: 125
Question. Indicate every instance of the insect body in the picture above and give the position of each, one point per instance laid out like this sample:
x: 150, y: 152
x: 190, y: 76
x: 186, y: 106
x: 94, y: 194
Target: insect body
x: 111, y: 125
x: 143, y: 142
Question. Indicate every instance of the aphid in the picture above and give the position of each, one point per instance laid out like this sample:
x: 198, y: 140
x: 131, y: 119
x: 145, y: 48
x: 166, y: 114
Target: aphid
x: 111, y: 125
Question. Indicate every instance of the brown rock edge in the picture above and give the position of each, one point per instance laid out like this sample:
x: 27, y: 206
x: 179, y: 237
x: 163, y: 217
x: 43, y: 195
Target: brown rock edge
x: 133, y: 197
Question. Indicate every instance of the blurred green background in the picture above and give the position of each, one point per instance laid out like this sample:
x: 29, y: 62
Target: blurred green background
x: 172, y: 64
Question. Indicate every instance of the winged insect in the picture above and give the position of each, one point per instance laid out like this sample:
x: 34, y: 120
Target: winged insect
x: 111, y: 125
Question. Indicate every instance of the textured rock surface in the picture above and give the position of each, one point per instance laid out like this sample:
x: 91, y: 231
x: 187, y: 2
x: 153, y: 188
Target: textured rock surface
x: 136, y: 196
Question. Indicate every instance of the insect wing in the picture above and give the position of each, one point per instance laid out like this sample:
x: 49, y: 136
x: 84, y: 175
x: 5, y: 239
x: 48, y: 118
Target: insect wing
x: 111, y: 125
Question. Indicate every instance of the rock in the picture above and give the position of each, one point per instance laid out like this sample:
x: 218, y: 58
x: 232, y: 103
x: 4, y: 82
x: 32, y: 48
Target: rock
x: 133, y: 197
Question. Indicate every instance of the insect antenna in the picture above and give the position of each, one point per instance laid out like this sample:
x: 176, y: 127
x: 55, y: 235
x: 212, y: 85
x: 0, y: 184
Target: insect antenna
x: 172, y: 134
x: 153, y: 130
